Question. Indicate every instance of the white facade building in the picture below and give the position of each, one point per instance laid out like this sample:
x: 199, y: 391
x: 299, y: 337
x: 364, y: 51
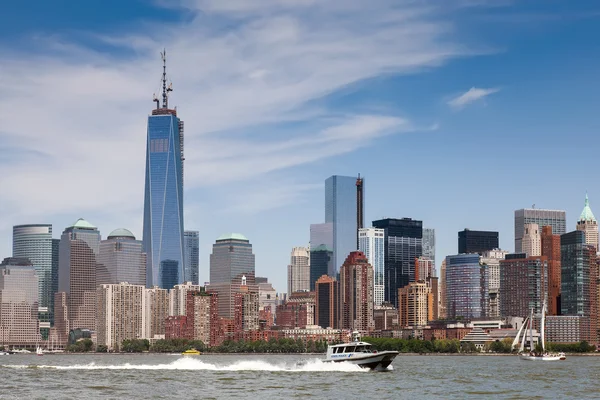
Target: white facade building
x: 299, y: 270
x: 532, y: 240
x: 371, y: 242
x: 492, y: 259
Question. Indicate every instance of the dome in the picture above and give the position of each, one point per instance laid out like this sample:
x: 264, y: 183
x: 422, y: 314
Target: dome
x: 121, y: 233
x: 82, y: 224
x: 233, y: 236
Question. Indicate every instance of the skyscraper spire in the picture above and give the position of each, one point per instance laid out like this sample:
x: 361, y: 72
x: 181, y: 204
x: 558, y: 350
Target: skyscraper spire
x: 587, y: 214
x: 165, y: 89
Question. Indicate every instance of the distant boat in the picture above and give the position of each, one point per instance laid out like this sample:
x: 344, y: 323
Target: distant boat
x: 532, y: 355
x: 360, y: 353
x: 191, y: 352
x: 39, y: 351
x: 4, y: 353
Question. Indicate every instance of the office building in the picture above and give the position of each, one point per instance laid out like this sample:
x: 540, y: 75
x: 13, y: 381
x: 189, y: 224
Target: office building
x: 551, y: 250
x: 163, y: 195
x: 246, y: 309
x: 403, y: 244
x: 531, y: 243
x: 429, y: 245
x: 442, y: 308
x: 178, y: 297
x: 19, y: 290
x: 121, y: 259
x: 371, y: 241
x: 554, y: 218
x: 202, y: 316
x: 356, y: 293
x: 156, y: 311
x: 267, y: 297
x: 415, y: 302
x: 342, y: 212
x: 321, y: 263
x: 588, y: 224
x: 34, y: 242
x: 227, y: 293
x: 579, y: 282
x: 192, y: 256
x: 120, y: 314
x: 423, y: 269
x: 231, y: 258
x: 299, y: 270
x: 523, y: 284
x: 78, y: 263
x: 327, y: 302
x: 466, y: 284
x: 492, y: 258
x: 477, y: 241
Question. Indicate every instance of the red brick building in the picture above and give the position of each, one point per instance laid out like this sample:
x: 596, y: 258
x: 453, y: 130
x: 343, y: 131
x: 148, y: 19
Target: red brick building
x: 175, y: 327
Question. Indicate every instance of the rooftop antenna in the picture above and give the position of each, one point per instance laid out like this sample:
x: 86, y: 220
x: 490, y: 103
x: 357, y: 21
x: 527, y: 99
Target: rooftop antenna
x: 165, y: 89
x: 155, y: 99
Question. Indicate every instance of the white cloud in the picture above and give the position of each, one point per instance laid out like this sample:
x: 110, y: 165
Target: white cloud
x: 472, y: 95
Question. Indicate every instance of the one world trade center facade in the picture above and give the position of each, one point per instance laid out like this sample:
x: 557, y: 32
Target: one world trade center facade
x: 163, y: 196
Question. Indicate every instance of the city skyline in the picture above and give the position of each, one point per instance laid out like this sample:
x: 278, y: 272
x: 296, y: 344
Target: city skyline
x: 107, y: 93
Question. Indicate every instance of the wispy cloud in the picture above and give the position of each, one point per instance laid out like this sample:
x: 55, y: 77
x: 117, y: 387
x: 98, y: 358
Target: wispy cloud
x: 470, y: 96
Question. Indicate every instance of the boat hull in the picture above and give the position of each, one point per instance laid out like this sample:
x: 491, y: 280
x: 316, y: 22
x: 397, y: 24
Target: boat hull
x: 373, y: 361
x: 540, y: 358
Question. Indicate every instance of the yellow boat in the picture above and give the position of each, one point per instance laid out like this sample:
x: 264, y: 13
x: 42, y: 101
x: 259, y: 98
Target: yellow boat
x: 191, y: 352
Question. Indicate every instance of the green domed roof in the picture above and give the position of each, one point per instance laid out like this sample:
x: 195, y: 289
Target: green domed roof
x: 232, y: 236
x: 587, y: 214
x: 121, y: 232
x: 82, y: 224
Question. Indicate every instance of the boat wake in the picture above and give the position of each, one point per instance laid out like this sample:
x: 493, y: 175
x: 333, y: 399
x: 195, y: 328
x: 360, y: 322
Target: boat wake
x: 192, y: 364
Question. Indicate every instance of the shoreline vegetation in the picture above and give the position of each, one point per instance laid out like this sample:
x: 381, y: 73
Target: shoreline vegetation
x: 298, y: 346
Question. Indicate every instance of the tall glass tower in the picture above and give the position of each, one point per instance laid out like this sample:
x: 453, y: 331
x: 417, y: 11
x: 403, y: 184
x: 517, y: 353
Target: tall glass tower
x: 163, y: 196
x: 341, y: 211
x: 192, y: 256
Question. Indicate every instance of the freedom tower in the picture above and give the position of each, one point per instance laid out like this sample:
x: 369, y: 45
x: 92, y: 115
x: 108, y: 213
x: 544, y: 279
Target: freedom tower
x: 163, y: 196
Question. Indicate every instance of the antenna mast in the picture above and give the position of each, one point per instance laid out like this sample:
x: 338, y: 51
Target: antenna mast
x: 165, y: 89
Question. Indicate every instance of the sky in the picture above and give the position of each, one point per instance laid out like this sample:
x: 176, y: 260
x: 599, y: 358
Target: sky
x: 456, y: 112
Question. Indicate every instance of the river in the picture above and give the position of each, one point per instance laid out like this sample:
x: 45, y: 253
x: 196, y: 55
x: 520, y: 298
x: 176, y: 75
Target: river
x: 260, y: 377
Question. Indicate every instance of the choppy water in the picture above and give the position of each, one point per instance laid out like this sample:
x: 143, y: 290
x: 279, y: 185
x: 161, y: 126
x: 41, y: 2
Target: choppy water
x: 151, y: 376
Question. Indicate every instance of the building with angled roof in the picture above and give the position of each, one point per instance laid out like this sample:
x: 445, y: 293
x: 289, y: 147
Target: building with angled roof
x: 121, y: 259
x: 77, y: 273
x: 163, y: 195
x: 34, y: 242
x: 588, y: 224
x: 231, y: 258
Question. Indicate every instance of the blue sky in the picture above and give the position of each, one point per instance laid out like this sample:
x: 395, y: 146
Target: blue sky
x: 457, y: 112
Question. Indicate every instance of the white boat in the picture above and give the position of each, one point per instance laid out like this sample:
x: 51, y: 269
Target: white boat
x: 533, y: 355
x: 4, y: 353
x: 39, y: 351
x: 360, y: 353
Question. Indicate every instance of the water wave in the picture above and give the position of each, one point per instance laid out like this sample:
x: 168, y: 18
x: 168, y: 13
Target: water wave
x: 188, y: 363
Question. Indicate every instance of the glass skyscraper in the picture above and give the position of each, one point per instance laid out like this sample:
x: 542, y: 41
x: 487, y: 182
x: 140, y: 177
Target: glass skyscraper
x: 163, y: 198
x: 371, y: 241
x: 341, y: 211
x: 231, y: 258
x: 429, y: 244
x: 121, y: 259
x: 192, y: 256
x: 467, y: 285
x: 34, y: 242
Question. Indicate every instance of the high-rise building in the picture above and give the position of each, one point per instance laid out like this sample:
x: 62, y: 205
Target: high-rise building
x: 477, y: 241
x: 192, y: 256
x: 227, y: 293
x: 579, y: 282
x: 299, y: 270
x: 423, y: 269
x: 531, y: 243
x: 360, y: 207
x: 178, y: 297
x: 19, y: 290
x: 356, y: 293
x: 120, y: 313
x: 403, y: 245
x: 492, y: 258
x: 429, y: 244
x: 34, y: 242
x: 121, y: 259
x: 156, y: 311
x: 523, y: 284
x: 321, y: 263
x: 371, y: 241
x: 414, y: 303
x: 551, y: 250
x: 267, y: 297
x: 163, y: 196
x: 202, y: 316
x: 466, y: 286
x: 588, y: 224
x: 342, y: 212
x: 55, y: 252
x: 557, y: 219
x: 442, y: 311
x: 231, y: 258
x: 246, y: 309
x: 327, y: 302
x: 78, y: 264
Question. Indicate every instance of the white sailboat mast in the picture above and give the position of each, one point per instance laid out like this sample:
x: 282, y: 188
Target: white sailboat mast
x: 542, y: 327
x: 531, y: 347
x: 518, y: 337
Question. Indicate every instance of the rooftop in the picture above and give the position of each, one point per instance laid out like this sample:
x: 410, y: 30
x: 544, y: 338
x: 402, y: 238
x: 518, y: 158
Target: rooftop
x: 587, y: 214
x: 82, y: 224
x: 121, y: 232
x: 232, y: 236
x: 321, y: 248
